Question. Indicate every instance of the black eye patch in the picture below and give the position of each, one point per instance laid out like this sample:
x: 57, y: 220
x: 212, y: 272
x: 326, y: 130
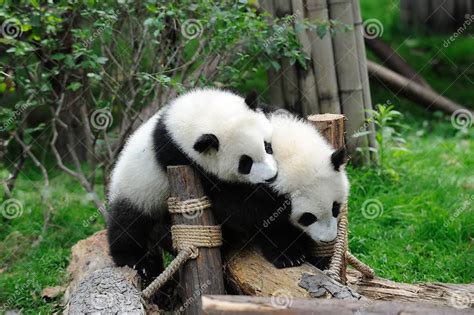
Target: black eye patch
x: 307, y: 219
x: 245, y: 164
x: 268, y: 147
x: 336, y: 208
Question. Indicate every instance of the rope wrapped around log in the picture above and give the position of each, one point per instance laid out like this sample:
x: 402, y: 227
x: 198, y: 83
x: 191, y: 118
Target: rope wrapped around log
x: 186, y: 239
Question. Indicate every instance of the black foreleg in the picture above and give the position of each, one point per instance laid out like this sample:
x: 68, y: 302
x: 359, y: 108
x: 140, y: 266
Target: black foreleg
x: 128, y: 235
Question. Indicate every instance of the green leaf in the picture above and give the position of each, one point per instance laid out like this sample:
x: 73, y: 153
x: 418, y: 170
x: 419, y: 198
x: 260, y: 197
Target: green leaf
x: 102, y: 60
x: 74, y: 86
x: 321, y: 31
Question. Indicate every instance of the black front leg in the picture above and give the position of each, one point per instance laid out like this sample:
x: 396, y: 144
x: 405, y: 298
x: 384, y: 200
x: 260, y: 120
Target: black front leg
x: 283, y: 247
x: 128, y: 233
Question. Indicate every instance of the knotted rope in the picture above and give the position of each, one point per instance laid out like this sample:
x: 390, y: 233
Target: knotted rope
x: 186, y: 239
x: 339, y: 253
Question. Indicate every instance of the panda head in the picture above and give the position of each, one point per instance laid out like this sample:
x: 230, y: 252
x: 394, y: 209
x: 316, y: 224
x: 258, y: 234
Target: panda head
x: 225, y: 134
x: 317, y: 205
x: 312, y: 173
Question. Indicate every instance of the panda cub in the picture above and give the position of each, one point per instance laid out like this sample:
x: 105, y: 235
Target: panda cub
x: 301, y: 204
x: 218, y: 132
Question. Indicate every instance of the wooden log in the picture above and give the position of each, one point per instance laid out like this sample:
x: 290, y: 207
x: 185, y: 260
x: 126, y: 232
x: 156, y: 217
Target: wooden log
x: 349, y: 78
x: 389, y: 57
x: 411, y: 90
x: 322, y: 57
x: 364, y: 79
x: 202, y: 275
x: 227, y: 304
x: 331, y: 126
x: 256, y: 276
x: 95, y: 285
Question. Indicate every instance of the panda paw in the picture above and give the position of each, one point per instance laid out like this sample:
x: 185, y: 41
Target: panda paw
x: 290, y: 257
x: 283, y: 261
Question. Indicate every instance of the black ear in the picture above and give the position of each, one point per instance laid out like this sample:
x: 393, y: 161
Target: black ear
x: 206, y: 142
x: 252, y: 99
x: 338, y: 158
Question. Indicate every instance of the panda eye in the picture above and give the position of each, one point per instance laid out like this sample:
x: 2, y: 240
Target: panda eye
x: 307, y: 219
x: 245, y: 164
x: 268, y: 147
x: 336, y: 208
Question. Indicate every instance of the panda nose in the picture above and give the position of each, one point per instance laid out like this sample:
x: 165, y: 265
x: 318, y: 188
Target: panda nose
x: 271, y: 180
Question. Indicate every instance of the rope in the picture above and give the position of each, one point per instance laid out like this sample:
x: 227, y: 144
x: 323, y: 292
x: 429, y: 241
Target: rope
x: 196, y: 235
x: 359, y: 265
x: 181, y: 258
x: 188, y: 206
x: 340, y: 248
x: 186, y: 239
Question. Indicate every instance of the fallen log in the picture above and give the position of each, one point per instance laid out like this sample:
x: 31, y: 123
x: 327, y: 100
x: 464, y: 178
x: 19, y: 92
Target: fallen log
x: 96, y: 285
x: 388, y: 56
x: 227, y: 304
x: 255, y: 276
x: 411, y: 90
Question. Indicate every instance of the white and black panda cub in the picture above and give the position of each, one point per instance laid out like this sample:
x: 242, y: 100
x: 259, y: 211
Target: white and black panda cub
x: 302, y: 203
x: 216, y: 131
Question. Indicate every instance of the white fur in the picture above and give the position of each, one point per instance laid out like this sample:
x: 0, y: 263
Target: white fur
x: 137, y: 175
x: 239, y: 129
x: 306, y: 173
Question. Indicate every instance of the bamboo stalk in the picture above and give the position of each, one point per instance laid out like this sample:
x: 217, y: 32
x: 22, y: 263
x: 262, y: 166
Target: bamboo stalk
x: 306, y: 77
x: 364, y: 75
x: 322, y: 57
x: 349, y: 78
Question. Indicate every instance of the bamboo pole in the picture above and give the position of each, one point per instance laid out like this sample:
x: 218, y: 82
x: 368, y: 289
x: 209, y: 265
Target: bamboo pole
x: 323, y: 60
x: 364, y: 75
x: 306, y: 77
x: 349, y: 78
x: 202, y: 275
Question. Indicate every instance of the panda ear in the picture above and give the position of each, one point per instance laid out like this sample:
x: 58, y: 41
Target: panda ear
x: 339, y: 158
x: 252, y: 100
x: 206, y: 142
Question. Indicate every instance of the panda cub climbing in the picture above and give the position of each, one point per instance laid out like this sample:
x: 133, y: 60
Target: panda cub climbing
x: 220, y: 133
x: 300, y: 205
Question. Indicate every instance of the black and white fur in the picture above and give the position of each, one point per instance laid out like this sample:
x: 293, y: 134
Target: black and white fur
x: 303, y: 202
x: 218, y: 132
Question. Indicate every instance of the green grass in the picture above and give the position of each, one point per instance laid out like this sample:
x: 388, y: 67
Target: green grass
x: 425, y: 232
